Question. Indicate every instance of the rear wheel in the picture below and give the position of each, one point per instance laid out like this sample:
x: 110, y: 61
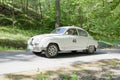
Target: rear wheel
x: 91, y: 49
x: 52, y: 50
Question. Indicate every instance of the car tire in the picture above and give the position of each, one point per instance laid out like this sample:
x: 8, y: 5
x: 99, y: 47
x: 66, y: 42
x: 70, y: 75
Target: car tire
x: 52, y: 50
x: 91, y: 49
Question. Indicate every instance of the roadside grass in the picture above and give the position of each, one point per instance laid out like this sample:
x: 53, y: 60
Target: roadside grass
x: 114, y: 40
x: 100, y: 70
x: 4, y: 48
x: 13, y: 38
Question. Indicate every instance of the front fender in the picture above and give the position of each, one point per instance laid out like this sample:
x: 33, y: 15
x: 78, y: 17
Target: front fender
x: 46, y: 41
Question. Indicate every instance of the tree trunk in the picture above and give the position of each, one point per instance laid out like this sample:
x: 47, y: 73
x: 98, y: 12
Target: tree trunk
x: 103, y: 2
x: 40, y: 6
x: 57, y: 13
x: 0, y: 1
x: 13, y: 16
x: 80, y: 16
x: 27, y: 4
x: 21, y: 4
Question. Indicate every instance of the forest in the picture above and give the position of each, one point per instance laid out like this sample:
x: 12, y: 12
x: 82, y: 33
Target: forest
x: 21, y: 19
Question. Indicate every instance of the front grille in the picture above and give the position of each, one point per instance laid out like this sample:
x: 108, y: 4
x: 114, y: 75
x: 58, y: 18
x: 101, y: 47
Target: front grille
x: 36, y: 48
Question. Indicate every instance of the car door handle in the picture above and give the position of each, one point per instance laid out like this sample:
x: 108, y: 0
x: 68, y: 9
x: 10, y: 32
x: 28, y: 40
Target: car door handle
x: 74, y: 40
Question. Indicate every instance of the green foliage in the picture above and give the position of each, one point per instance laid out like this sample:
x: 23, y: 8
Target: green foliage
x: 3, y: 48
x: 42, y: 76
x: 108, y: 76
x: 64, y: 77
x: 6, y: 21
x: 75, y: 76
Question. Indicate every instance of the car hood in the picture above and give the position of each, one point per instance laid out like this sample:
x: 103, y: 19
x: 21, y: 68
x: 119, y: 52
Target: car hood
x: 40, y: 37
x: 45, y: 35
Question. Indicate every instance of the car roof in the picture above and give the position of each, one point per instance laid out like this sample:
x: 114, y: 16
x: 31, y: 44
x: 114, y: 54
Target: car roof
x: 68, y: 27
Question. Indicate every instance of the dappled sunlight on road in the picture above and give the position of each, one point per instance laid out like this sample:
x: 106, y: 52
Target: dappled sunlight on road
x: 26, y: 60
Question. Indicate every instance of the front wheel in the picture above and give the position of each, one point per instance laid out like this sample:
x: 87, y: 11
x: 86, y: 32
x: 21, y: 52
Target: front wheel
x: 52, y: 50
x: 91, y: 49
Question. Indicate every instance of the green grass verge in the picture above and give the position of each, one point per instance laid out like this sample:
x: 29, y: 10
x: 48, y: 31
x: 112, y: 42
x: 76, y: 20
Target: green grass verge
x: 13, y: 38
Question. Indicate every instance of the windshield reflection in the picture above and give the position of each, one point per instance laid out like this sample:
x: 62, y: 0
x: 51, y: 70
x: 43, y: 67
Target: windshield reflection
x: 58, y: 31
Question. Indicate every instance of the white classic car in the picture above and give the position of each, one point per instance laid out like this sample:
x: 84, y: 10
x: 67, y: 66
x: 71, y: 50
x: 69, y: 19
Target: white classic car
x: 68, y: 38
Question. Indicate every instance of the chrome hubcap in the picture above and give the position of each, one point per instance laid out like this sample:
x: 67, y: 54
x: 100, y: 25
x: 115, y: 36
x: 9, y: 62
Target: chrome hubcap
x: 52, y: 50
x: 91, y: 49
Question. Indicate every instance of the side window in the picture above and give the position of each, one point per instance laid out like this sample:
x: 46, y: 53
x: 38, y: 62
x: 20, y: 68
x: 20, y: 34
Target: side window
x: 82, y: 33
x: 71, y: 32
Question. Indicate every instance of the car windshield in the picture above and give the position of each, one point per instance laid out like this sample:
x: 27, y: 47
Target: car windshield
x: 58, y: 31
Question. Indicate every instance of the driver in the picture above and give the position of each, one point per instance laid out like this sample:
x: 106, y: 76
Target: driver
x: 70, y: 32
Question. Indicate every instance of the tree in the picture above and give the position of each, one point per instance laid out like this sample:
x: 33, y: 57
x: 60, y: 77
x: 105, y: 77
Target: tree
x: 57, y: 13
x: 13, y: 15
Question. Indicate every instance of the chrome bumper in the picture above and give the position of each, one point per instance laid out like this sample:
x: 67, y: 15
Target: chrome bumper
x: 35, y: 48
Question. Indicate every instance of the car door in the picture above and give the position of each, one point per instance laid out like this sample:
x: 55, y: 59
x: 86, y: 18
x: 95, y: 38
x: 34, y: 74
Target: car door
x: 71, y: 39
x: 64, y: 42
x: 82, y: 39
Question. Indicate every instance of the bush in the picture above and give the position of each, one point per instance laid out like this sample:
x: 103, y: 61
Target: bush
x: 6, y: 21
x: 26, y: 24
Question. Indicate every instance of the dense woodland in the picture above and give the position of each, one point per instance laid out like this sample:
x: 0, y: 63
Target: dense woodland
x: 101, y: 18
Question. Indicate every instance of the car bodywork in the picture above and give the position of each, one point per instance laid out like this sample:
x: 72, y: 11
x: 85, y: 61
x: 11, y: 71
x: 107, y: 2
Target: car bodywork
x: 65, y: 41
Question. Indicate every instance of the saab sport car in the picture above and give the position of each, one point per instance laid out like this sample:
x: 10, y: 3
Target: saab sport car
x: 68, y: 38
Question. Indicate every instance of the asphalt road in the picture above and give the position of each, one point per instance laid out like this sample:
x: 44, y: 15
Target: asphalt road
x: 12, y: 62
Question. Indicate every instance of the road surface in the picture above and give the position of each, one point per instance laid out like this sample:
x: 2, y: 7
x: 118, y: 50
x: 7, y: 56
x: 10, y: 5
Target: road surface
x: 12, y: 62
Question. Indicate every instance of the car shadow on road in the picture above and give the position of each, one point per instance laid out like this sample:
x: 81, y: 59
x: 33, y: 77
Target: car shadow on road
x: 70, y: 54
x: 81, y: 54
x: 74, y: 54
x: 98, y: 52
x: 65, y: 55
x: 29, y: 56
